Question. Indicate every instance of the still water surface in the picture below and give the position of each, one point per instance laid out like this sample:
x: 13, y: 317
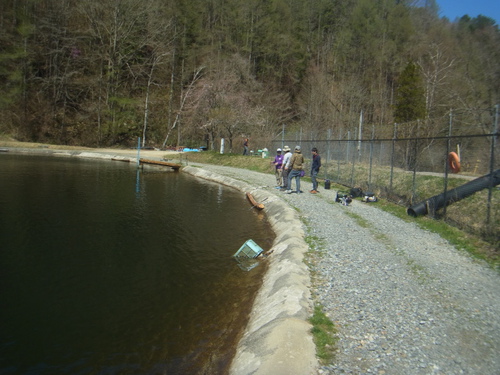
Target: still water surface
x: 108, y: 270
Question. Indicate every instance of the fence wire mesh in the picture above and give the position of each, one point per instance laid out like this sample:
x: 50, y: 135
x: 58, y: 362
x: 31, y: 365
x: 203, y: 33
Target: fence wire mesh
x: 413, y: 169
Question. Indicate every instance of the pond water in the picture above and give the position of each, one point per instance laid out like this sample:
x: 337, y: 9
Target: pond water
x: 107, y: 269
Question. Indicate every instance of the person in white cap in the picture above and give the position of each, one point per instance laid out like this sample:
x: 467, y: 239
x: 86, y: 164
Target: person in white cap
x: 278, y: 168
x: 286, y: 159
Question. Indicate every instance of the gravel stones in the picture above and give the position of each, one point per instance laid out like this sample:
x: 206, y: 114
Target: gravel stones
x: 404, y: 301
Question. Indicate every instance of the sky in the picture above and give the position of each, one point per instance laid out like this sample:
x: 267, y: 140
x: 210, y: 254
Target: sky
x: 457, y: 8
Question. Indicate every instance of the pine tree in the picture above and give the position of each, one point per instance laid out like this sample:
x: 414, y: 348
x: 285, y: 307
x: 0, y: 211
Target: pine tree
x: 410, y: 99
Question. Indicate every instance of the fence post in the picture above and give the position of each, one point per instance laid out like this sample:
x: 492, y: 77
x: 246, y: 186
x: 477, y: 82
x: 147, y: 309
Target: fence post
x: 371, y: 159
x: 360, y: 134
x: 283, y: 137
x: 392, y: 154
x: 329, y: 135
x: 492, y: 167
x: 339, y: 154
x: 448, y: 144
x: 348, y: 146
x: 138, y: 152
x: 353, y: 161
x: 415, y: 154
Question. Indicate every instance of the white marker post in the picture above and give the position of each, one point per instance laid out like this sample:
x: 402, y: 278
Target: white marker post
x: 138, y: 151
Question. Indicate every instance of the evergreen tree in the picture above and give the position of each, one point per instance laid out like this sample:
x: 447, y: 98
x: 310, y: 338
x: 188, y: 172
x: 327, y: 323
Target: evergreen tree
x: 410, y: 99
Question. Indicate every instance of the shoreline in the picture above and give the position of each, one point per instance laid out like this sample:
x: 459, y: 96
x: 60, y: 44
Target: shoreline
x: 277, y: 338
x: 402, y: 299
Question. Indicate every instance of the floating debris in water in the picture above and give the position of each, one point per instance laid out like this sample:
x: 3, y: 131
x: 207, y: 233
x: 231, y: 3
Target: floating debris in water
x: 249, y: 250
x: 246, y: 255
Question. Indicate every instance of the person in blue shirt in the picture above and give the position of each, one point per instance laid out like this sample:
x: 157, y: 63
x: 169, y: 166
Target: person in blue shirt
x: 316, y: 164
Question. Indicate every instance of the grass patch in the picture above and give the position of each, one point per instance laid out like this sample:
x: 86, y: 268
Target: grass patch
x: 323, y: 332
x: 366, y: 224
x: 476, y: 247
x: 417, y: 270
x: 323, y: 329
x: 315, y: 243
x: 359, y: 220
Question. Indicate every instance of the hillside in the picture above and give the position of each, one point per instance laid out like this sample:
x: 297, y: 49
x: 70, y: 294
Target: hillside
x: 102, y: 73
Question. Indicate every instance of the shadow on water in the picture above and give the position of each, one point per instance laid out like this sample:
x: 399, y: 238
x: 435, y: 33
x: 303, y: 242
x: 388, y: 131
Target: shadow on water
x: 105, y: 269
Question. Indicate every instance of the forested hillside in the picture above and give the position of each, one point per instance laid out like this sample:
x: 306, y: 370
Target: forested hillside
x: 104, y: 72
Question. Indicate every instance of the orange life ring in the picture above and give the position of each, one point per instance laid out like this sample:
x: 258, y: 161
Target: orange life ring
x: 454, y: 162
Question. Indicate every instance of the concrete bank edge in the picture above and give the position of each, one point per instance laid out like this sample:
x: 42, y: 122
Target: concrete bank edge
x: 277, y: 339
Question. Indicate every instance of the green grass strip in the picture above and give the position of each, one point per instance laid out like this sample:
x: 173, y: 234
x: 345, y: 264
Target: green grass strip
x: 323, y: 332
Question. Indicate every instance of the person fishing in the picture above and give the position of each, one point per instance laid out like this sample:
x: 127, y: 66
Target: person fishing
x: 295, y: 168
x: 286, y: 159
x: 278, y: 168
x: 316, y: 164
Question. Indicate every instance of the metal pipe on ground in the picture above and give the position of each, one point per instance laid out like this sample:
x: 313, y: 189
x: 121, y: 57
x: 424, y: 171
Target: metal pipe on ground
x: 433, y: 204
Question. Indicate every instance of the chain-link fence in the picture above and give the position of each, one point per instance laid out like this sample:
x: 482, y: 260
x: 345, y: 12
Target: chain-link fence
x: 413, y: 169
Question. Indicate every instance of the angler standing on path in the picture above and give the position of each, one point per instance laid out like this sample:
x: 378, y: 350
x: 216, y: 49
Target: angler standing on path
x: 278, y: 165
x: 316, y: 164
x: 296, y: 169
x: 286, y: 159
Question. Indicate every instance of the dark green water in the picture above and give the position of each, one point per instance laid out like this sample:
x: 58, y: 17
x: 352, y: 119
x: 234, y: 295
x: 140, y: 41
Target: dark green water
x: 107, y: 270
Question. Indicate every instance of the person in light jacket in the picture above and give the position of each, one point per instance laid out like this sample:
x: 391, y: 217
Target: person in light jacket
x: 286, y: 159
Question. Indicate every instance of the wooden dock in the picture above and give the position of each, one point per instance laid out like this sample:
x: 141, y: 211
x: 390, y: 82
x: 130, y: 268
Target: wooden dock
x: 163, y: 163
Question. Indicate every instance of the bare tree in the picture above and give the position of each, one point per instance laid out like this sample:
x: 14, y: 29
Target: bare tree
x: 184, y: 97
x: 436, y: 67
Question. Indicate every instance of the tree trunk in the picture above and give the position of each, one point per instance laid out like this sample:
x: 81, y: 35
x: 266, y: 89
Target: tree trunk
x: 196, y: 76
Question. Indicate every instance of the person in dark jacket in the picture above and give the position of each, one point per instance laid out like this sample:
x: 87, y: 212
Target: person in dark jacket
x: 245, y: 146
x: 316, y: 164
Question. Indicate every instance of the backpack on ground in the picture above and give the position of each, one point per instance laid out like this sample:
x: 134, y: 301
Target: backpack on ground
x: 356, y: 192
x: 343, y: 198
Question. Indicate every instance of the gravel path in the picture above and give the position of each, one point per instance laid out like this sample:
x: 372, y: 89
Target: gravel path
x: 404, y: 301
